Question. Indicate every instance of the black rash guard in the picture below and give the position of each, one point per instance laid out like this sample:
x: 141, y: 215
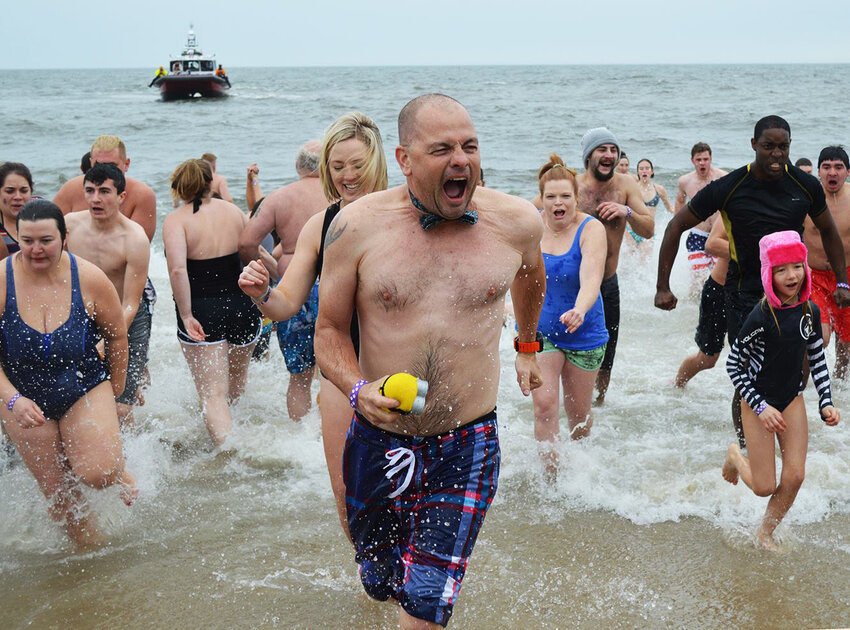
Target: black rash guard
x: 766, y: 361
x: 752, y: 208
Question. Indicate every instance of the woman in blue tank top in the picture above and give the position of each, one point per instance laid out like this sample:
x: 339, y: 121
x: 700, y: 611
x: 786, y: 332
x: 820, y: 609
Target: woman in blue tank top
x: 58, y: 403
x: 572, y: 320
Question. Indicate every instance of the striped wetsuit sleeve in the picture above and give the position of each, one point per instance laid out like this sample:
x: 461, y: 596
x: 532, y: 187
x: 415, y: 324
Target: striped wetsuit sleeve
x: 744, y: 363
x: 817, y: 365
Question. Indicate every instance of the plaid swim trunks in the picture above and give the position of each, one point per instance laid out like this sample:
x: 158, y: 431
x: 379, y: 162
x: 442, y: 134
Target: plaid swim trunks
x: 415, y: 506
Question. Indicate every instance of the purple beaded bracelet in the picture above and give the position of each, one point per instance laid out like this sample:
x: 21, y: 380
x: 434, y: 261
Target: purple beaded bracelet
x: 263, y: 298
x: 760, y: 408
x: 12, y: 401
x: 628, y: 213
x: 355, y: 392
x: 842, y: 285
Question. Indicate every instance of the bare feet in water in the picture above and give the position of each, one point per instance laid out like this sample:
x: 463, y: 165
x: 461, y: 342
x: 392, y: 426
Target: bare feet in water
x: 129, y: 487
x: 730, y: 467
x: 765, y: 542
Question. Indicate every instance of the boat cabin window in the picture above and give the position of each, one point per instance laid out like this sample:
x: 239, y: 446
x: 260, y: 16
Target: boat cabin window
x: 207, y: 65
x: 175, y: 67
x: 193, y: 66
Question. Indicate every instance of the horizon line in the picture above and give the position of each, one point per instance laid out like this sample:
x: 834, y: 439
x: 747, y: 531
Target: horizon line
x: 469, y: 65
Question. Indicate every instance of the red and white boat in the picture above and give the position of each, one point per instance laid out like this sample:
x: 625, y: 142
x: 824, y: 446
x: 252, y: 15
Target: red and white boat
x: 191, y: 74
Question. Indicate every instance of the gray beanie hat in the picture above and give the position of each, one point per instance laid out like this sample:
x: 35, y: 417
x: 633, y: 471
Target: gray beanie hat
x: 594, y: 138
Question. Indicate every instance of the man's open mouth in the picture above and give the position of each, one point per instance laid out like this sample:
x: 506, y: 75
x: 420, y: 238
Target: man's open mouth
x: 455, y: 188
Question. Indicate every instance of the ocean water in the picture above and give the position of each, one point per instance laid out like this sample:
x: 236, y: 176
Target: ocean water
x: 639, y: 530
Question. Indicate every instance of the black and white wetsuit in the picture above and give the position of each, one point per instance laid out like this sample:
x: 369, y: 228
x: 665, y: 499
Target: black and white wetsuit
x: 766, y: 360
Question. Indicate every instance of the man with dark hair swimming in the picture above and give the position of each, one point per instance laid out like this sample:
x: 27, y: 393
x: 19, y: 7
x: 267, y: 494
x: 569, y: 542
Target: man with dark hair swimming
x: 833, y: 168
x: 804, y: 164
x: 689, y: 184
x: 120, y: 248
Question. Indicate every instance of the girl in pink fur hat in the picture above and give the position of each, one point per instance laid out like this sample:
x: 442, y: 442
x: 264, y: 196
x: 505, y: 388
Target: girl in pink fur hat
x: 766, y: 367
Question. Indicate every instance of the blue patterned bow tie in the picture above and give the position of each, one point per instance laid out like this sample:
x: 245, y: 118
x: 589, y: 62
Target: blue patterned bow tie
x: 428, y: 219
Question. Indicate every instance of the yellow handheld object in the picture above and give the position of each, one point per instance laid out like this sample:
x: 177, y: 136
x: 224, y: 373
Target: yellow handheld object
x: 408, y: 390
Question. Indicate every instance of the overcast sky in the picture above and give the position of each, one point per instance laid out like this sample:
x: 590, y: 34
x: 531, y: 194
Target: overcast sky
x: 69, y: 34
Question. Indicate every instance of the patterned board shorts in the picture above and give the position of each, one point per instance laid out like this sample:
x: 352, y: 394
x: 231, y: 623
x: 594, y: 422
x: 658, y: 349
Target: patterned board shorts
x: 698, y: 258
x: 295, y: 335
x: 415, y: 506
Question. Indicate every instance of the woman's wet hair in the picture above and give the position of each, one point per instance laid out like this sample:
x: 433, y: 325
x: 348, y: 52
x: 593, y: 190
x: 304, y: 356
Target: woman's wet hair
x: 39, y: 209
x: 373, y: 175
x: 191, y: 182
x: 556, y: 169
x: 651, y: 167
x: 16, y: 168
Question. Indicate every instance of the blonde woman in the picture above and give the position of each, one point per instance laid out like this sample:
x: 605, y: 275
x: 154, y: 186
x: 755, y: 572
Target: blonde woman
x: 352, y: 165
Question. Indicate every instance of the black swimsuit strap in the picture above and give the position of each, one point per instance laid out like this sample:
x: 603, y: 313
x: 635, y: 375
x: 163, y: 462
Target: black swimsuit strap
x: 330, y: 214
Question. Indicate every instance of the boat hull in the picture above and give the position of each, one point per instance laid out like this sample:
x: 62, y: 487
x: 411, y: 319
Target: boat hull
x: 177, y: 86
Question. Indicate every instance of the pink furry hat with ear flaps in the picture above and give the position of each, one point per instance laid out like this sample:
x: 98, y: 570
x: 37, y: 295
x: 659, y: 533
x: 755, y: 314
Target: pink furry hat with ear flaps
x: 781, y: 248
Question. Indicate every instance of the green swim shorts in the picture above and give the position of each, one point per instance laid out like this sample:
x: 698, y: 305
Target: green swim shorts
x: 589, y: 360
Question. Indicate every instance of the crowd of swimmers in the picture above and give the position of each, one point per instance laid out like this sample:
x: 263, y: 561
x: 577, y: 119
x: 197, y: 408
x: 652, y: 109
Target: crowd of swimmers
x: 413, y: 279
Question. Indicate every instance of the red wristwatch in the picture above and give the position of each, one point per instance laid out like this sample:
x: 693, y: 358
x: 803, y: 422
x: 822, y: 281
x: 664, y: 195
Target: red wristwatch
x: 529, y: 346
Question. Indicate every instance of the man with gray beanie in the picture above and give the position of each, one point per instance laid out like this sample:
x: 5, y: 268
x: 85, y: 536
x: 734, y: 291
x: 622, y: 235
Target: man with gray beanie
x: 615, y: 200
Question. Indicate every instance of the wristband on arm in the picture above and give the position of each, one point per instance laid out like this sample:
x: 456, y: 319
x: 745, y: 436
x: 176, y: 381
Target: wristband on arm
x: 529, y: 346
x: 355, y: 392
x: 264, y: 297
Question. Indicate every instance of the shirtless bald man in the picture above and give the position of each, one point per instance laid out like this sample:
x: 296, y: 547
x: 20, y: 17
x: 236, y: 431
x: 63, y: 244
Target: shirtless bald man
x: 614, y: 199
x: 140, y: 203
x: 285, y: 211
x: 120, y: 248
x: 427, y: 265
